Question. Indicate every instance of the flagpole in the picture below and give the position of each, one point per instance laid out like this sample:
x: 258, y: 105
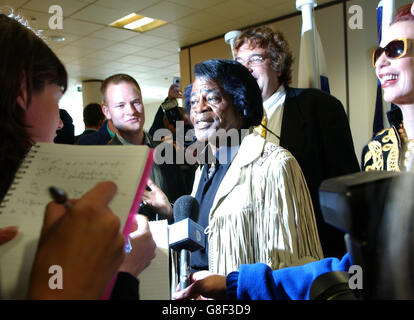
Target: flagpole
x: 306, y: 7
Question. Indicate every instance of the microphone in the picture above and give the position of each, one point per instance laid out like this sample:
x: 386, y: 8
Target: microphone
x: 185, y: 235
x: 186, y: 207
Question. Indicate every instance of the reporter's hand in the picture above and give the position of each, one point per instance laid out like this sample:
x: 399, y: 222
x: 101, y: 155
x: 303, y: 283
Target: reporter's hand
x: 204, y: 284
x: 158, y: 200
x: 175, y: 92
x: 7, y: 233
x: 143, y: 248
x: 85, y: 242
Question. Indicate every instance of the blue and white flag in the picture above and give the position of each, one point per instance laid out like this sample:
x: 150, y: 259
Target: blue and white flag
x: 312, y: 65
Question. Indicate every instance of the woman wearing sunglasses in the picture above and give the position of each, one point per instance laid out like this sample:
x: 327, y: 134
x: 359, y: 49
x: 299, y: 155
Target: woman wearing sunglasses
x: 394, y: 67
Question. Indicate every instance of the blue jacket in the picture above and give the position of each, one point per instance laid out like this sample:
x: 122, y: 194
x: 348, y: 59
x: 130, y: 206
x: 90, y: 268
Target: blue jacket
x: 100, y: 137
x: 259, y: 282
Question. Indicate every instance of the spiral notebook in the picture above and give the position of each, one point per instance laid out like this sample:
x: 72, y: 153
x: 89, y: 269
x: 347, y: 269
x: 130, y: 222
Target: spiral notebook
x: 75, y: 169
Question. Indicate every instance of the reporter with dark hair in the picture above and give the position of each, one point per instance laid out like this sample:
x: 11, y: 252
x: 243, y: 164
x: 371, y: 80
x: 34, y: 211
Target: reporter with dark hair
x: 32, y: 81
x: 86, y: 241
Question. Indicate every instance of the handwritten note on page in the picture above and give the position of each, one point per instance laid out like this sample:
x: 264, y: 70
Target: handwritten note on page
x: 75, y: 169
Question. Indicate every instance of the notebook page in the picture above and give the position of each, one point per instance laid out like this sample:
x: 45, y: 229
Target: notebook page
x: 75, y: 169
x: 154, y: 281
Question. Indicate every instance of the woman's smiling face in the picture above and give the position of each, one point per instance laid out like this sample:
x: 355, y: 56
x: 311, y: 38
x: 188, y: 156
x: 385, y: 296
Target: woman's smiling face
x: 397, y: 75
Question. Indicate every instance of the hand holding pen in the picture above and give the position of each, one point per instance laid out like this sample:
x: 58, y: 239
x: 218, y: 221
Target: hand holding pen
x: 85, y: 242
x: 60, y: 196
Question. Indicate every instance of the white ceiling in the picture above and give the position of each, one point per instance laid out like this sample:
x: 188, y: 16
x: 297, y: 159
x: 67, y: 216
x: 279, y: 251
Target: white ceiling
x: 93, y: 50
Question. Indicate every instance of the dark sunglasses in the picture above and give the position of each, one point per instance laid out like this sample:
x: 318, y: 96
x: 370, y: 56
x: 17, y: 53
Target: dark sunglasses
x: 395, y: 49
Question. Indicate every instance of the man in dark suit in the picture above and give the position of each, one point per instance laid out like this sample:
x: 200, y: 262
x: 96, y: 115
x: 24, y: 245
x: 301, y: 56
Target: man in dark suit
x: 93, y: 118
x: 309, y: 123
x: 101, y: 137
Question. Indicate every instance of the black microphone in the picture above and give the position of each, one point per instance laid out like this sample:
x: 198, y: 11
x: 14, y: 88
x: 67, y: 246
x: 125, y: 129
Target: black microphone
x: 186, y: 207
x: 185, y: 235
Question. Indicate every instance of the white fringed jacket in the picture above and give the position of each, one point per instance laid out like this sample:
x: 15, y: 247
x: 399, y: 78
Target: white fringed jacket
x: 262, y: 211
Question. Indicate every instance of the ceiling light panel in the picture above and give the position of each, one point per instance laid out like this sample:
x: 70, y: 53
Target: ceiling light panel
x: 138, y: 23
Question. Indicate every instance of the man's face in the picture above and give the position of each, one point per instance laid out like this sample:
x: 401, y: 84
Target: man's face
x: 212, y: 109
x: 267, y: 78
x: 124, y: 107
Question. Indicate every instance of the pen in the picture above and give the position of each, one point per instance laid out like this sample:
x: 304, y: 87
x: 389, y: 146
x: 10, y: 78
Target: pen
x: 60, y: 197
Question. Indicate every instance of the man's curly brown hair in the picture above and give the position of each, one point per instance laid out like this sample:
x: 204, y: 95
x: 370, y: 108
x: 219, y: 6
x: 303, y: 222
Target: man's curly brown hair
x: 275, y: 44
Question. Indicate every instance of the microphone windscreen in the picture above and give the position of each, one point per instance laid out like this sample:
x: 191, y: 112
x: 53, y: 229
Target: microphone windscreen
x: 186, y: 207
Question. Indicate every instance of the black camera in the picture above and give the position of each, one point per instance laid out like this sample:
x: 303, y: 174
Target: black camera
x: 355, y: 204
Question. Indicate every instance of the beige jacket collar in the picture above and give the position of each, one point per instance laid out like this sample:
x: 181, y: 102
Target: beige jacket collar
x: 250, y: 150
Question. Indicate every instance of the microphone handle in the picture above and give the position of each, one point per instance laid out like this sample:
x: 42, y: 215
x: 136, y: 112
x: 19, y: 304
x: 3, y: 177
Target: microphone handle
x: 184, y: 268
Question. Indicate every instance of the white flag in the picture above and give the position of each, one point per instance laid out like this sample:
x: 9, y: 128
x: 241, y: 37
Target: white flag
x: 312, y: 65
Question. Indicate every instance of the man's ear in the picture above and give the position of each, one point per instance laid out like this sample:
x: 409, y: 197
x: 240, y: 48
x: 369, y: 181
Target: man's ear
x: 22, y: 96
x: 105, y: 111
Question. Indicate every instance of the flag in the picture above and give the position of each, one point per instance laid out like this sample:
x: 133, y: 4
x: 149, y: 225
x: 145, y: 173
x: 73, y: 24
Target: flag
x: 312, y: 65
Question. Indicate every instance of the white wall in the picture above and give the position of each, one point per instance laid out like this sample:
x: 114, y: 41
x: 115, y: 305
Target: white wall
x: 362, y: 79
x: 150, y: 111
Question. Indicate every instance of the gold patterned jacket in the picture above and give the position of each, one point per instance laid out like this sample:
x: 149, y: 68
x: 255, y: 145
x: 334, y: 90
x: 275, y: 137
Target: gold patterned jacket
x: 387, y: 151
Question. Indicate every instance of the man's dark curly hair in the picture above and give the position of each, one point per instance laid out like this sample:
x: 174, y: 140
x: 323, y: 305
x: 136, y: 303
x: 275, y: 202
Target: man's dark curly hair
x: 236, y: 81
x: 275, y: 44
